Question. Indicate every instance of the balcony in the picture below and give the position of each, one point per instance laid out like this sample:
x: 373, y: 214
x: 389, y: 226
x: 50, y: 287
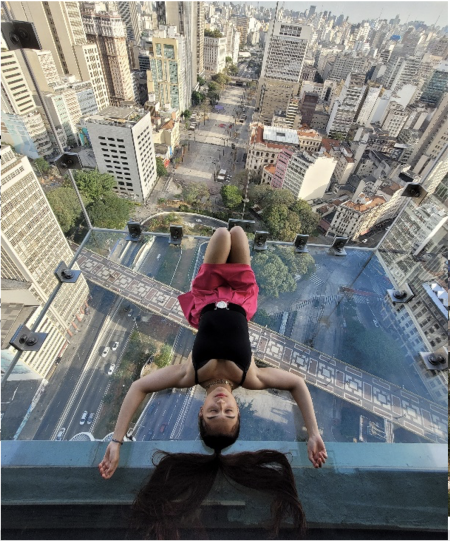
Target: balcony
x: 382, y: 415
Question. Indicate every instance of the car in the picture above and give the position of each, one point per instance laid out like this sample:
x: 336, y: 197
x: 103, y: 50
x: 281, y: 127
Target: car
x: 375, y: 322
x: 364, y: 241
x: 149, y: 435
x: 198, y: 221
x: 60, y: 434
x: 105, y: 352
x: 115, y: 346
x: 130, y: 314
x: 162, y: 427
x: 83, y: 417
x: 111, y: 369
x: 90, y: 418
x: 233, y: 146
x: 158, y: 256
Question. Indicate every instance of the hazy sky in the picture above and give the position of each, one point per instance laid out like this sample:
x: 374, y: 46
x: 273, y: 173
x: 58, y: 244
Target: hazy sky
x: 426, y: 11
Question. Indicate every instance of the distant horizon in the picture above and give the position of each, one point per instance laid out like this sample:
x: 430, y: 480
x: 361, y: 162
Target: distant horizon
x: 358, y: 11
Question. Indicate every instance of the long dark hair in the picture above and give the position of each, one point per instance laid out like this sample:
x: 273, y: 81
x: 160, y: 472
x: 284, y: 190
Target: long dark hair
x: 181, y: 481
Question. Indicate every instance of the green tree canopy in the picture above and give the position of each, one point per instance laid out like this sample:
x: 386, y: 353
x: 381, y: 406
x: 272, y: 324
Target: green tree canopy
x: 283, y: 224
x: 296, y: 263
x: 231, y: 196
x: 221, y: 79
x: 213, y: 33
x: 187, y: 114
x: 42, y: 165
x: 308, y: 218
x: 161, y: 170
x: 200, y: 80
x: 197, y: 97
x: 66, y: 207
x: 194, y: 192
x: 272, y: 274
x: 111, y: 212
x: 228, y: 60
x: 163, y: 357
x: 213, y: 86
x: 94, y: 185
x: 232, y: 69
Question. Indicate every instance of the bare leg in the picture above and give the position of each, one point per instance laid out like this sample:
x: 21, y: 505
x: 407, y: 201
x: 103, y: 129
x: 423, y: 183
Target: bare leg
x: 240, y: 251
x: 218, y: 246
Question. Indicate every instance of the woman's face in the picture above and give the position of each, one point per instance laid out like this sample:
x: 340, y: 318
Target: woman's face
x: 220, y: 411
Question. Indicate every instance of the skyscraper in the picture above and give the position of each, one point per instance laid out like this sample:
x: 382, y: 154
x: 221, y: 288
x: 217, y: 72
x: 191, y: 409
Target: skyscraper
x: 282, y: 66
x: 107, y: 32
x: 437, y: 86
x: 33, y: 245
x: 60, y: 30
x: 130, y: 16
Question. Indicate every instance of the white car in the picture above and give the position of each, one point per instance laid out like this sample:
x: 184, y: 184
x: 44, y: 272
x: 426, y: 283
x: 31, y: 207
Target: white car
x: 198, y: 221
x: 158, y: 256
x: 83, y: 417
x: 375, y: 322
x: 111, y: 369
x: 115, y: 346
x: 105, y: 352
x: 60, y: 435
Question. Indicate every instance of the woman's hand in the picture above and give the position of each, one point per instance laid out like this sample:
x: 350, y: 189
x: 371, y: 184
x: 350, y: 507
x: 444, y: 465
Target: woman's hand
x: 110, y: 461
x: 317, y: 453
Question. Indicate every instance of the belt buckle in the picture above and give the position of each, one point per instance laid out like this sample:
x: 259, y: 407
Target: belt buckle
x: 221, y: 305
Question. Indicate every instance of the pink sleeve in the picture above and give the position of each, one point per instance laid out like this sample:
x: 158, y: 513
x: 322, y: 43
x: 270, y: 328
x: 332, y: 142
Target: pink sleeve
x: 187, y: 304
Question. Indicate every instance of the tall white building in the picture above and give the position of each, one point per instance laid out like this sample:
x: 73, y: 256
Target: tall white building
x: 129, y: 13
x: 33, y: 245
x: 122, y: 142
x: 368, y: 104
x: 214, y: 54
x: 282, y: 67
x: 60, y: 30
x: 22, y: 125
x: 346, y: 105
x: 65, y: 111
x: 394, y: 119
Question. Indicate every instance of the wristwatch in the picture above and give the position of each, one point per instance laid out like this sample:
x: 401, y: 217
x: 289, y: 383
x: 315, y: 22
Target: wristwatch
x: 221, y: 305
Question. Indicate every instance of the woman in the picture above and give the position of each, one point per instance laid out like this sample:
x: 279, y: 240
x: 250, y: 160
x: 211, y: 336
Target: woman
x: 223, y: 298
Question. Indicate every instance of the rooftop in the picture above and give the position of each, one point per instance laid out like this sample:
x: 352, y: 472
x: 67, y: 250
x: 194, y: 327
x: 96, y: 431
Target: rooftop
x: 280, y: 135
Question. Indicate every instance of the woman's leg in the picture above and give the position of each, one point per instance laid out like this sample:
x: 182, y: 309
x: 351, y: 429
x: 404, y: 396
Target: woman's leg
x: 240, y: 250
x: 219, y: 246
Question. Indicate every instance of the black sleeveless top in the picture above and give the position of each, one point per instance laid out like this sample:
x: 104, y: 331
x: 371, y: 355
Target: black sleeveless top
x: 222, y: 334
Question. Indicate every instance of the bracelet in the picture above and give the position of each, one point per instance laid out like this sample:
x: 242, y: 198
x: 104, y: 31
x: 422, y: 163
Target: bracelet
x: 117, y: 441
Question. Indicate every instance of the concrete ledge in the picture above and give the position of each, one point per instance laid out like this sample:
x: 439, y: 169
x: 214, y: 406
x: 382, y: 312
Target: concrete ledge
x: 363, y: 486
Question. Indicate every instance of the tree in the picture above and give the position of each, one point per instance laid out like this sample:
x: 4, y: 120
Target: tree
x: 197, y: 97
x: 200, y: 80
x: 296, y: 264
x: 228, y: 60
x: 213, y: 86
x: 282, y: 223
x: 161, y: 170
x: 94, y: 185
x: 272, y: 275
x: 240, y: 179
x: 308, y: 218
x: 194, y: 192
x: 111, y: 212
x: 42, y: 165
x: 213, y: 33
x: 221, y: 79
x: 262, y: 318
x: 66, y: 207
x: 187, y: 114
x: 232, y: 69
x: 163, y: 357
x: 231, y: 196
x: 214, y: 97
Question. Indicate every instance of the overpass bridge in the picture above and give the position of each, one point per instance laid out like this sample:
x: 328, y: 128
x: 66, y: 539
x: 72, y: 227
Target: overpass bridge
x: 397, y: 405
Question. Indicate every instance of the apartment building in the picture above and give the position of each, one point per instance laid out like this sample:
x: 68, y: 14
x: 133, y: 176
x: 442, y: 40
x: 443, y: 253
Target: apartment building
x: 400, y: 70
x: 33, y: 246
x: 44, y: 69
x: 22, y: 125
x: 345, y: 64
x: 282, y: 66
x: 122, y: 141
x: 308, y: 106
x: 167, y: 76
x: 60, y: 29
x: 107, y: 32
x: 368, y: 103
x: 436, y: 87
x: 129, y: 13
x: 345, y: 106
x: 306, y: 175
x: 65, y: 112
x: 214, y: 54
x: 394, y: 119
x: 433, y: 141
x: 200, y: 39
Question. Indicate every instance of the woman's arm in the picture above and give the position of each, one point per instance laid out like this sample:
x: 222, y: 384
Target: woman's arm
x: 274, y: 378
x: 165, y: 378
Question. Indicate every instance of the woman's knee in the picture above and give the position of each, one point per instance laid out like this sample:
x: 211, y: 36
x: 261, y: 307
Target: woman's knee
x: 237, y: 230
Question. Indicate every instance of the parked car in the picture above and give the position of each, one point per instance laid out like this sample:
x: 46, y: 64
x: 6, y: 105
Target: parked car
x: 90, y: 418
x: 83, y: 417
x: 198, y: 221
x: 60, y: 434
x: 105, y: 352
x: 115, y: 346
x: 111, y: 369
x: 364, y: 241
x: 162, y: 427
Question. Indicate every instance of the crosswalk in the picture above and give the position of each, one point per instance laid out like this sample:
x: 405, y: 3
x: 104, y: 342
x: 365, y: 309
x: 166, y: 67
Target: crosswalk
x: 334, y: 299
